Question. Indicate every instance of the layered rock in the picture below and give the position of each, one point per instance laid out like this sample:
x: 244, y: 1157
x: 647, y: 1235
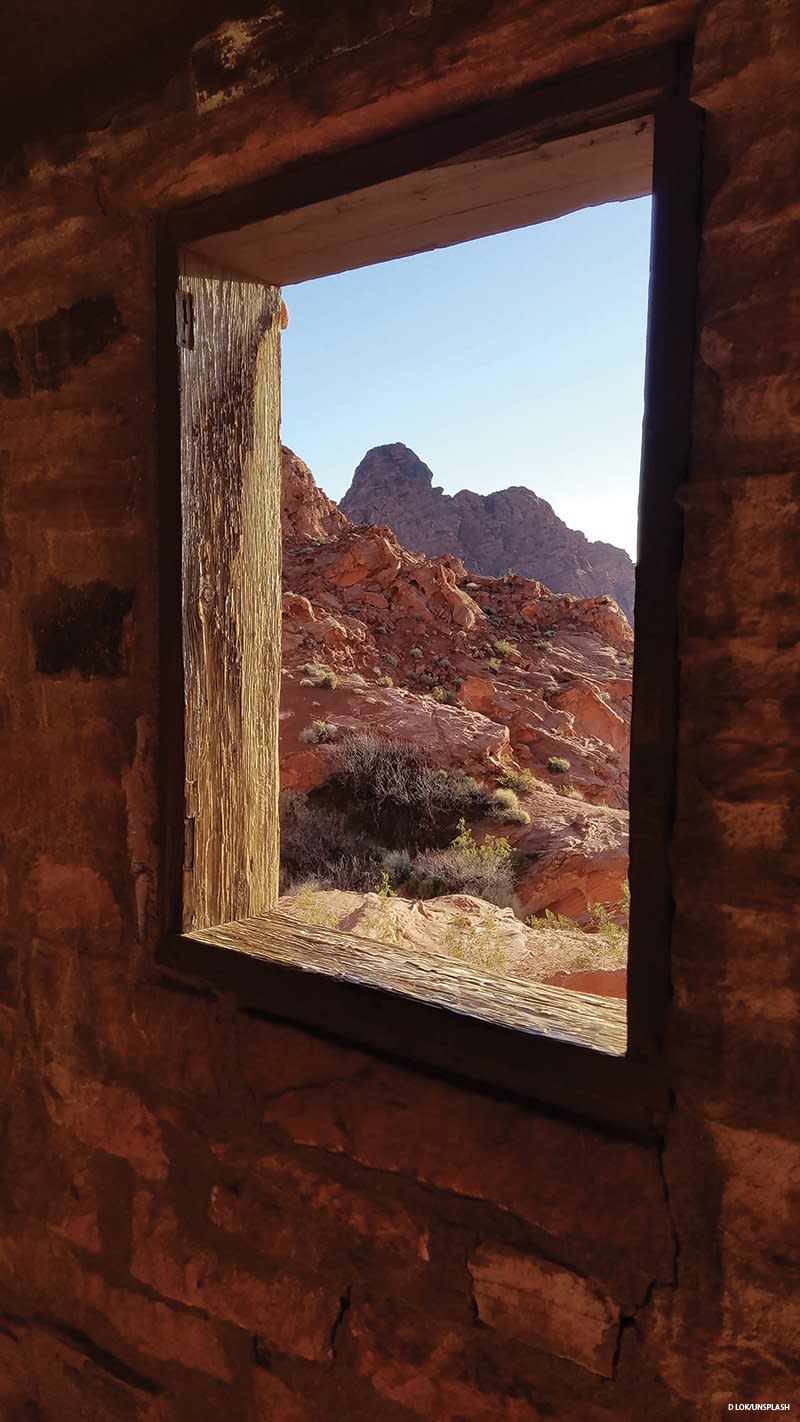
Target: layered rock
x: 306, y: 512
x: 488, y: 674
x: 490, y: 533
x: 459, y: 925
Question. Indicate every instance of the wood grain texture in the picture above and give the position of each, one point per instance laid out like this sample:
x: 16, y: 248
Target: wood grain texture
x: 494, y: 188
x: 577, y: 1018
x: 230, y: 491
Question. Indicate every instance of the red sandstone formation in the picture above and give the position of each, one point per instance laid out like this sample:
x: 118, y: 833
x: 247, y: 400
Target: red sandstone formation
x: 489, y: 674
x: 491, y: 533
x: 306, y: 512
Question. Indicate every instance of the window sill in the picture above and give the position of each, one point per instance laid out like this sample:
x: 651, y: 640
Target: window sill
x: 557, y: 1047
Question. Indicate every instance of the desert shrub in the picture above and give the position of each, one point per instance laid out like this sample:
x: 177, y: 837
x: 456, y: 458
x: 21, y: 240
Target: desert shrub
x: 319, y: 733
x: 611, y: 932
x: 553, y: 920
x: 494, y: 663
x: 605, y: 921
x: 485, y: 870
x: 428, y: 679
x: 356, y: 679
x: 444, y: 697
x: 397, y: 865
x: 521, y: 781
x: 571, y: 791
x: 558, y: 764
x: 310, y: 908
x: 319, y: 674
x: 477, y: 943
x: 380, y: 922
x: 605, y: 696
x: 390, y: 659
x: 318, y: 844
x: 504, y: 648
x: 506, y: 808
x: 385, y: 681
x: 396, y: 793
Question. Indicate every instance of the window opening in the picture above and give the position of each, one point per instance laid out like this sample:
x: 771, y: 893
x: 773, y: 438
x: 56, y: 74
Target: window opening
x: 458, y: 640
x: 222, y: 775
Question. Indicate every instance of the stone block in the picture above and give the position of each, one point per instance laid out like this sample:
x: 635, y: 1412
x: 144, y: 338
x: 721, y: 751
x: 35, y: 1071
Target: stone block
x: 545, y: 1306
x: 284, y: 1208
x: 107, y: 1117
x: 411, y: 1125
x: 293, y: 1313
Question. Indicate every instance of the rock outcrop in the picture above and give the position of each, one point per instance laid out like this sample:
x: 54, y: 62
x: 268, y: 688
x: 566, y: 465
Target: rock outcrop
x: 491, y: 675
x: 490, y: 533
x: 306, y: 512
x: 461, y: 926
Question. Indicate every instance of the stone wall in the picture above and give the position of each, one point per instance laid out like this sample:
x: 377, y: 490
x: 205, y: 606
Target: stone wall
x: 204, y: 1215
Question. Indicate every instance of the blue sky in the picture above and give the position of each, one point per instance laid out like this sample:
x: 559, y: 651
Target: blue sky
x: 515, y: 359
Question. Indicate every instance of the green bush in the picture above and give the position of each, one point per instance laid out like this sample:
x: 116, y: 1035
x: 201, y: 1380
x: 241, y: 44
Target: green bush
x: 604, y: 922
x: 522, y: 781
x: 507, y: 809
x: 309, y: 907
x: 444, y: 697
x: 485, y: 870
x: 477, y: 943
x: 558, y: 764
x: 318, y: 674
x: 553, y: 920
x: 504, y: 648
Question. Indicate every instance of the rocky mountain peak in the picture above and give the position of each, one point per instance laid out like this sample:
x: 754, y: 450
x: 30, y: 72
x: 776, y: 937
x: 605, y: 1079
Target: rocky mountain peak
x: 510, y: 529
x: 386, y: 470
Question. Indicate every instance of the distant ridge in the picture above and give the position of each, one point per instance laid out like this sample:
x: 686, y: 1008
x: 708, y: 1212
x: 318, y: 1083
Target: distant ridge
x: 492, y: 534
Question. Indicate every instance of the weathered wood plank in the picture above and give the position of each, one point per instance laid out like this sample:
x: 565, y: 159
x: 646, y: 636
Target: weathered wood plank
x: 574, y: 1017
x: 494, y: 188
x: 230, y: 493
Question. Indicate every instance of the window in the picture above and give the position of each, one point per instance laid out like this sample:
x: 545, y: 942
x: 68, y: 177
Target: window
x: 596, y: 138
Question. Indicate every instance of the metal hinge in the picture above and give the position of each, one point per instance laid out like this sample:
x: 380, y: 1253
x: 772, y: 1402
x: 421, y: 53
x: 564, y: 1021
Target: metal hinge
x: 184, y: 320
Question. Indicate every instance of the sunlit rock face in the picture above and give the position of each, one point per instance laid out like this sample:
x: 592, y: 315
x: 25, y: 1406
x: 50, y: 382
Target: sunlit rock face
x: 490, y: 533
x: 487, y: 674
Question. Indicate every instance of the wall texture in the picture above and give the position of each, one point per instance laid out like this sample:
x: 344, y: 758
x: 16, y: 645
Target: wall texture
x: 204, y: 1215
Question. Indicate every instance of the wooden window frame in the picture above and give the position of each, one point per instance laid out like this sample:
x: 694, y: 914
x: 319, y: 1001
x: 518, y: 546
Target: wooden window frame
x: 558, y: 1053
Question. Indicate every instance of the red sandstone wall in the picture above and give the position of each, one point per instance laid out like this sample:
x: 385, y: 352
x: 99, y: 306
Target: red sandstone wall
x: 205, y: 1216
